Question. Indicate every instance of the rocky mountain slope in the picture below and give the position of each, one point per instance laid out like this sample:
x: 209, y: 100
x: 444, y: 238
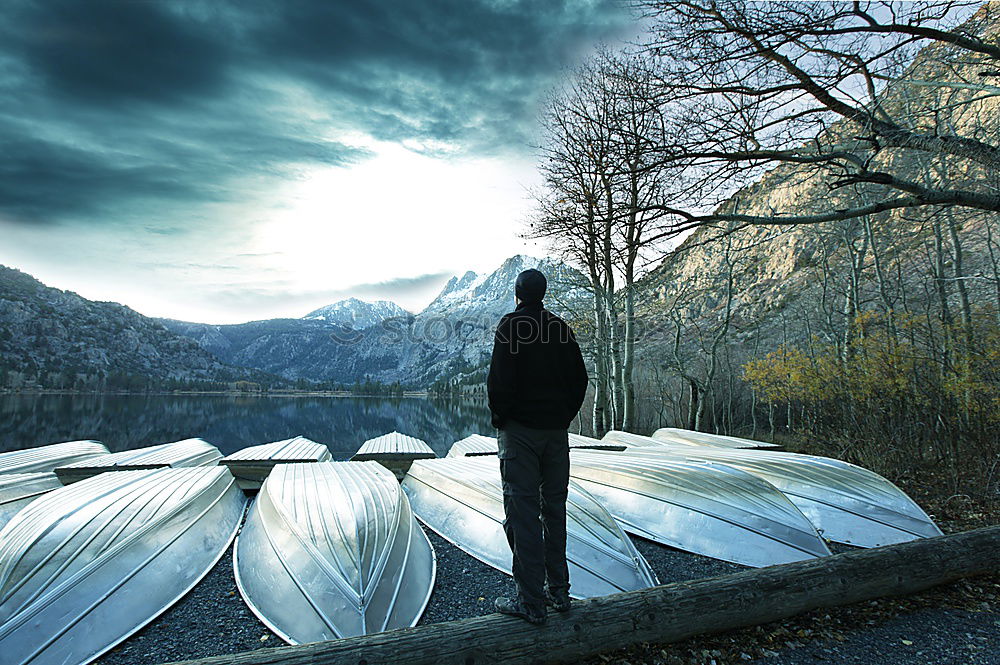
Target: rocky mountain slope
x: 796, y: 283
x: 291, y: 348
x: 58, y: 339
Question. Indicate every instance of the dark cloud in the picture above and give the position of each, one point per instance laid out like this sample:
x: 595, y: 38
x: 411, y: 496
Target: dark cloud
x: 118, y: 51
x: 41, y: 181
x: 111, y: 108
x: 451, y: 70
x: 129, y: 167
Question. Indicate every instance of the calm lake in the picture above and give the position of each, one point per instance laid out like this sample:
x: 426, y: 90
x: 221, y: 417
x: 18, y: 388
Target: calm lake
x: 232, y: 422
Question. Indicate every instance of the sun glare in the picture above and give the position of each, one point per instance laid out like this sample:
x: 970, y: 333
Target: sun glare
x: 398, y: 214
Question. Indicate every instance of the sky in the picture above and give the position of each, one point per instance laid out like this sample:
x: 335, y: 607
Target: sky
x: 225, y: 161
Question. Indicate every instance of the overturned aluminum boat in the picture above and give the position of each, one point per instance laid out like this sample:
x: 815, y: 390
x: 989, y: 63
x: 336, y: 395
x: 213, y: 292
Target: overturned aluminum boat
x: 709, y: 509
x: 85, y: 566
x: 686, y: 436
x: 394, y: 451
x: 189, y: 452
x: 47, y: 458
x: 846, y: 503
x: 632, y: 441
x: 251, y: 465
x: 462, y: 500
x: 473, y: 446
x: 19, y: 489
x: 393, y: 444
x: 332, y: 550
x: 478, y: 445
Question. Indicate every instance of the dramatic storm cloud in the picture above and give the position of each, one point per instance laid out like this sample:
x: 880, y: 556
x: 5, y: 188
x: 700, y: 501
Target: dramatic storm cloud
x: 233, y: 160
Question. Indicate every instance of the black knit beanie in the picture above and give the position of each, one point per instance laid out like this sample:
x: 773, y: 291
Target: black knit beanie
x: 530, y: 286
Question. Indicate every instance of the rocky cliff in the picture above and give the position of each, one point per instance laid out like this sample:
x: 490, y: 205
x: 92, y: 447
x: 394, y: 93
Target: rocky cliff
x: 791, y: 280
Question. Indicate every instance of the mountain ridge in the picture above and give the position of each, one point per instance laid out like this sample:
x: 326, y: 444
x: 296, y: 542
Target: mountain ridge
x: 53, y: 338
x: 450, y: 338
x: 357, y: 313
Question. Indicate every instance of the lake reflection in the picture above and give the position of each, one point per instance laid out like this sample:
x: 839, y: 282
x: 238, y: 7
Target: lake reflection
x: 234, y: 422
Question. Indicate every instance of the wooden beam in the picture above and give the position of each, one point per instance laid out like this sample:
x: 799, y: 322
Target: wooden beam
x: 667, y: 613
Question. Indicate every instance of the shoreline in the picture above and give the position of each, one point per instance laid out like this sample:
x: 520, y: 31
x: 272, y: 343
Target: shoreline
x: 234, y: 393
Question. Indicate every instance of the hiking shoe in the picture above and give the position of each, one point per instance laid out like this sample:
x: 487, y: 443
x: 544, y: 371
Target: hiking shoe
x: 515, y: 608
x: 559, y: 600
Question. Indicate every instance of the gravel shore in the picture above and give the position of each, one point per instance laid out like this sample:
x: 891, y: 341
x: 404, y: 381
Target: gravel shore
x: 213, y: 620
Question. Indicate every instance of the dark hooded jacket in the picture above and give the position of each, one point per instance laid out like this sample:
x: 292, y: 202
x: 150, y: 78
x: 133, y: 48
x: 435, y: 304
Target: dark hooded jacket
x: 537, y: 376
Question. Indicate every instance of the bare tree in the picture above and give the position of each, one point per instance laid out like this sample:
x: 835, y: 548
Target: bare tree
x: 602, y: 131
x: 822, y: 86
x: 572, y: 215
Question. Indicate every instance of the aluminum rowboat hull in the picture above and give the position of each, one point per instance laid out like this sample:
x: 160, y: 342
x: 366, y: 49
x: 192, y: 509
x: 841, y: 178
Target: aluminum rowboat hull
x: 474, y: 445
x: 709, y: 509
x: 630, y: 441
x: 686, y: 436
x: 391, y: 445
x: 19, y: 489
x: 846, y: 503
x: 85, y: 566
x: 477, y: 445
x: 189, y: 452
x: 462, y: 500
x: 251, y: 465
x: 47, y: 458
x: 330, y: 550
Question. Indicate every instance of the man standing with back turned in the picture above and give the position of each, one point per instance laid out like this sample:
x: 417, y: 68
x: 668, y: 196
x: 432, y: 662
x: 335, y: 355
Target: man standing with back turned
x: 536, y: 386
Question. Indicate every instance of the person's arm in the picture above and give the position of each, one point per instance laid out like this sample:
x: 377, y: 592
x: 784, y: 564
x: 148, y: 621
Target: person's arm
x: 500, y: 382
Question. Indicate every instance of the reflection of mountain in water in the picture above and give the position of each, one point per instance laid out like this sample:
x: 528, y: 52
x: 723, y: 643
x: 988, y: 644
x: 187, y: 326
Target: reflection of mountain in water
x: 230, y: 422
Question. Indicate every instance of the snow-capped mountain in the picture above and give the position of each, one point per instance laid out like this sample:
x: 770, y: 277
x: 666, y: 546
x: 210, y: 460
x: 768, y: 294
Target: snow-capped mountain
x: 349, y: 340
x: 493, y: 292
x: 357, y: 313
x: 453, y: 335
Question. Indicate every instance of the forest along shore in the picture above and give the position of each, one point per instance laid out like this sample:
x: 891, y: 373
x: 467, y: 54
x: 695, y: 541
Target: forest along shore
x: 955, y: 624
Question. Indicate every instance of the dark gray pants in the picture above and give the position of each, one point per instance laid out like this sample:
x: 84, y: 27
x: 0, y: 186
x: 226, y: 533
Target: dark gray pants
x: 534, y: 465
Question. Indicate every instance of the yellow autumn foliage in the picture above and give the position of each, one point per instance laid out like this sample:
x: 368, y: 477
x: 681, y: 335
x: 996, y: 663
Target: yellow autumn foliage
x: 883, y: 365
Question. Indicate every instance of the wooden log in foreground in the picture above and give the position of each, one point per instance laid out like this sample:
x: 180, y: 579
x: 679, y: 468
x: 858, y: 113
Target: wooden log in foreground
x: 661, y: 614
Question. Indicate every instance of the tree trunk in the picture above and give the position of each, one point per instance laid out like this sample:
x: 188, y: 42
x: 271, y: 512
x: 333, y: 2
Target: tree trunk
x: 628, y: 362
x: 694, y: 406
x: 959, y: 273
x: 617, y: 394
x: 883, y: 287
x: 600, y: 415
x: 995, y: 262
x: 965, y: 311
